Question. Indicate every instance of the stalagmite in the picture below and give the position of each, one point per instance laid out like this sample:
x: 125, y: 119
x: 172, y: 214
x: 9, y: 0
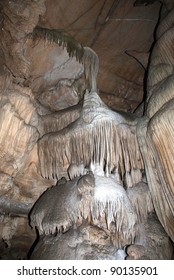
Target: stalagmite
x: 59, y: 141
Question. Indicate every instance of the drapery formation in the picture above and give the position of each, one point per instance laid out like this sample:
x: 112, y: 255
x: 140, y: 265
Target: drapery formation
x: 156, y: 131
x: 43, y: 77
x: 98, y: 137
x: 101, y: 201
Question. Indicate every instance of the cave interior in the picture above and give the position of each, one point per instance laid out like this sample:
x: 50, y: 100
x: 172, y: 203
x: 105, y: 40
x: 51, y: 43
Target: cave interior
x: 86, y: 129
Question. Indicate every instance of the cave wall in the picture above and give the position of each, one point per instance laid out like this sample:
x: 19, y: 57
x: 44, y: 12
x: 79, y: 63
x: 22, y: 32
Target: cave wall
x: 155, y: 130
x: 20, y: 183
x: 36, y: 98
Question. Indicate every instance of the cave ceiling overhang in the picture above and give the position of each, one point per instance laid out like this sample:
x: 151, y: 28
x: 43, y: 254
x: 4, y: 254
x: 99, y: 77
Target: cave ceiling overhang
x: 120, y: 32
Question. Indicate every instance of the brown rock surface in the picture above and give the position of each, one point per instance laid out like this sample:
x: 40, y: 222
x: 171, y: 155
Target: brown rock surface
x: 121, y: 35
x: 48, y: 131
x: 155, y: 132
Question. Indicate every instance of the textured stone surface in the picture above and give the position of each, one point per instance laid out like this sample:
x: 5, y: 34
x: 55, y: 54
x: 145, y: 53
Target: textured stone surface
x: 156, y: 244
x: 84, y: 243
x: 155, y: 132
x: 43, y: 76
x: 120, y: 33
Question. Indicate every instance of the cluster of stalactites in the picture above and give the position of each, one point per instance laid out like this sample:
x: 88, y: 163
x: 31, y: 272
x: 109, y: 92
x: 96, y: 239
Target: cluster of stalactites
x: 99, y: 137
x: 83, y: 55
x: 104, y: 204
x: 112, y: 147
x: 112, y: 204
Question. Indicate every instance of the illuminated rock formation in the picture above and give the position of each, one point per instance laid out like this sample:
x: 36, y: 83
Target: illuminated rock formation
x: 96, y: 183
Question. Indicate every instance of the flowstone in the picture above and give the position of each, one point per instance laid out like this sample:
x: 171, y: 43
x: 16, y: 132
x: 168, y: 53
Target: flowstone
x: 102, y: 207
x: 92, y: 217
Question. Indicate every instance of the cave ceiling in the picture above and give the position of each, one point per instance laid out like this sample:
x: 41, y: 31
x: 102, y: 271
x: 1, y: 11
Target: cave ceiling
x: 120, y: 32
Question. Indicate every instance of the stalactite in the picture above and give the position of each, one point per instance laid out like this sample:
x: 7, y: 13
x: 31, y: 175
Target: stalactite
x: 59, y: 37
x: 100, y: 136
x: 91, y: 65
x: 50, y: 213
x: 84, y: 55
x: 110, y: 200
x: 101, y: 201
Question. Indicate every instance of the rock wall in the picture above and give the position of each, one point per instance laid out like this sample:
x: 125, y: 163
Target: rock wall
x: 155, y: 131
x: 41, y: 120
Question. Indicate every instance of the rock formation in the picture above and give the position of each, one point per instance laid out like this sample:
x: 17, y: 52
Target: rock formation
x: 86, y: 181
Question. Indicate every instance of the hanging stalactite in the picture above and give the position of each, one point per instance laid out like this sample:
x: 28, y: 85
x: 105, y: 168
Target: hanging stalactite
x: 100, y: 201
x: 99, y: 137
x: 84, y: 55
